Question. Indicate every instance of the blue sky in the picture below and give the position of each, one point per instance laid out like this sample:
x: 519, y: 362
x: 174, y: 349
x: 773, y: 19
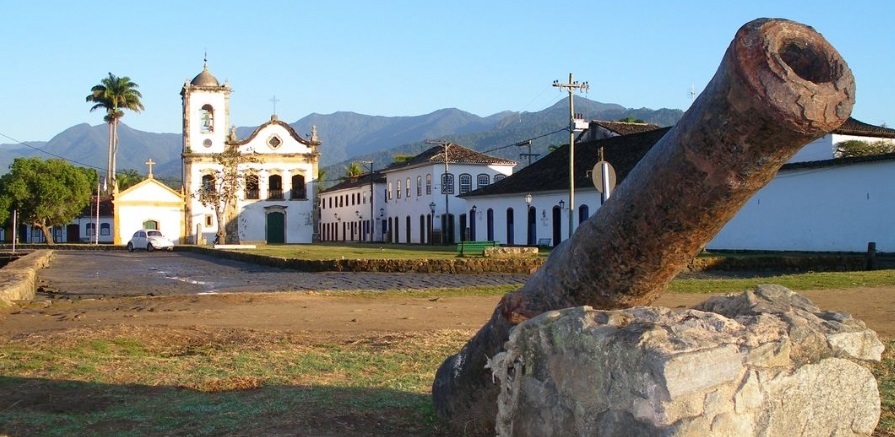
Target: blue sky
x: 399, y: 58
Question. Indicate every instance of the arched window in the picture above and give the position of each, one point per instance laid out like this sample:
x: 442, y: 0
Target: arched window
x: 407, y: 188
x: 583, y: 213
x: 499, y: 177
x: 389, y: 191
x: 465, y: 183
x: 206, y: 114
x: 428, y: 184
x: 447, y: 183
x: 208, y: 182
x: 252, y: 186
x: 482, y: 180
x: 419, y: 186
x: 275, y: 187
x: 299, y: 192
x: 399, y: 188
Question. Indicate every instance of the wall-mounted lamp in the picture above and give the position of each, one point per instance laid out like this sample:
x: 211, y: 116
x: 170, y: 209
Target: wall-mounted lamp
x: 357, y: 213
x: 562, y: 204
x: 528, y: 200
x: 381, y: 212
x: 336, y: 215
x: 544, y: 214
x: 473, y: 209
x: 432, y: 207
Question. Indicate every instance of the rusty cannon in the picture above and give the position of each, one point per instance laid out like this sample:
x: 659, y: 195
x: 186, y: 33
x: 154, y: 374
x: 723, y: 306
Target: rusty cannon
x: 780, y: 85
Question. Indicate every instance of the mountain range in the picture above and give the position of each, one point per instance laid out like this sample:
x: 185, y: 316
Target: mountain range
x: 348, y: 136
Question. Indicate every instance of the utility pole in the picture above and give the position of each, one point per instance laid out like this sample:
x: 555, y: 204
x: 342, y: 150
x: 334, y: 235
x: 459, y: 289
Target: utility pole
x: 572, y: 85
x: 529, y: 155
x: 447, y: 209
x: 372, y: 220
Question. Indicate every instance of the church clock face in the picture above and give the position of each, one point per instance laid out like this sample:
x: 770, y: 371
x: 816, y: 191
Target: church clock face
x: 206, y: 143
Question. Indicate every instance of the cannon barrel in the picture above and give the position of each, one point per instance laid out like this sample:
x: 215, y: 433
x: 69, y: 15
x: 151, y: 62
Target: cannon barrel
x: 779, y: 86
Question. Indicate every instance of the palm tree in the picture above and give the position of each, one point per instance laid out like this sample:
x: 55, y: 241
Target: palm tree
x: 114, y: 94
x: 353, y: 170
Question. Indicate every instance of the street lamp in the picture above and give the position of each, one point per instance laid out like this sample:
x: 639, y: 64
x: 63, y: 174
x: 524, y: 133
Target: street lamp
x: 528, y: 200
x: 431, y: 222
x: 562, y: 204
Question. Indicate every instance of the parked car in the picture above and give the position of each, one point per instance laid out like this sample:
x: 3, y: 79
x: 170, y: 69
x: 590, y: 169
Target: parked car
x: 149, y: 239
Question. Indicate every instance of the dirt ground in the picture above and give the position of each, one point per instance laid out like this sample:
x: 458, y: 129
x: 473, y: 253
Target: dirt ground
x: 308, y: 317
x: 83, y: 289
x: 347, y: 316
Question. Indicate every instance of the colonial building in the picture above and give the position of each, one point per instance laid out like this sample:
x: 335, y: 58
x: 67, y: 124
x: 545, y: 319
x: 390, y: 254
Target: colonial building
x: 817, y: 202
x: 277, y: 174
x: 354, y: 209
x: 415, y: 201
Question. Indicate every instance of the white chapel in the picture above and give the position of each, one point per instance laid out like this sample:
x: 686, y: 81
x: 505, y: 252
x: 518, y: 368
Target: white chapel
x: 275, y: 198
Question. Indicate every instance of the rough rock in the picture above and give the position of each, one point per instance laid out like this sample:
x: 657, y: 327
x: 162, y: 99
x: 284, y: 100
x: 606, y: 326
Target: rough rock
x: 765, y: 362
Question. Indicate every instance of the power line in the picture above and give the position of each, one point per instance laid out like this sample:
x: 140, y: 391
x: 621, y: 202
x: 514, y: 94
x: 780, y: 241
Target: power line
x: 516, y: 144
x: 49, y: 153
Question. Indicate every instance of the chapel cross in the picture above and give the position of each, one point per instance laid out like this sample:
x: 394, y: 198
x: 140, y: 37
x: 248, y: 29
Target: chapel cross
x: 150, y: 163
x: 274, y: 99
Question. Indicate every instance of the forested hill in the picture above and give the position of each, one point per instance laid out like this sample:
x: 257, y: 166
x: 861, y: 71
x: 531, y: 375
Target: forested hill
x: 346, y: 136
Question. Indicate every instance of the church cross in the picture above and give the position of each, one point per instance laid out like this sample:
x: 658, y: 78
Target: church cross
x: 274, y: 99
x: 150, y: 163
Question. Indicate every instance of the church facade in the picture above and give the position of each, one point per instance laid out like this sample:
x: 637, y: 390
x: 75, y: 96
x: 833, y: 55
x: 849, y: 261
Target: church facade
x: 273, y: 197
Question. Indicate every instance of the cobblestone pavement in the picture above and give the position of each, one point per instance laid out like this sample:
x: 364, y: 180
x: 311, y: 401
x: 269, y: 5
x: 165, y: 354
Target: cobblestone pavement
x: 119, y: 273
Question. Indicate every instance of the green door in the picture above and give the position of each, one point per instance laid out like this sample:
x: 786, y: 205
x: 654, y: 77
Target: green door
x: 276, y: 228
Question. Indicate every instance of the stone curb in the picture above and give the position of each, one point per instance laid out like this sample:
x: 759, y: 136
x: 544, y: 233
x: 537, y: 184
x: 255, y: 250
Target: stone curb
x: 18, y: 280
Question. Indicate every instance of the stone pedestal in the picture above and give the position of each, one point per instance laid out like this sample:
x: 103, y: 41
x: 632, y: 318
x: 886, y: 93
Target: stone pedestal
x: 766, y: 362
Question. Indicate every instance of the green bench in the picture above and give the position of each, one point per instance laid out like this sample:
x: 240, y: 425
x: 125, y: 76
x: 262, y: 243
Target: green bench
x: 474, y: 247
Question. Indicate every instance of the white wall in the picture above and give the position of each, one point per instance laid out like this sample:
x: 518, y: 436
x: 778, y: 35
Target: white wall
x: 544, y: 203
x: 839, y: 208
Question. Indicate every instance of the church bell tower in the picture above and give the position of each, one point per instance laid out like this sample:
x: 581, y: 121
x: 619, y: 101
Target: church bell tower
x: 206, y: 117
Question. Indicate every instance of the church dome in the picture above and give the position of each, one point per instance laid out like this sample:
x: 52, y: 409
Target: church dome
x: 205, y: 78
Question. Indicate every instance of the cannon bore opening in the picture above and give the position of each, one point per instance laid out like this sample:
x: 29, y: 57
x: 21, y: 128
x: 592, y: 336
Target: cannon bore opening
x: 807, y: 62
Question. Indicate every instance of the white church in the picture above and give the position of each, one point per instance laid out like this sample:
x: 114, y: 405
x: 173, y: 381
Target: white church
x: 275, y: 193
x: 277, y: 181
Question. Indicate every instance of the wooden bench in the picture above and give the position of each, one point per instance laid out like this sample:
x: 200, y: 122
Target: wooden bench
x: 545, y: 242
x: 474, y: 247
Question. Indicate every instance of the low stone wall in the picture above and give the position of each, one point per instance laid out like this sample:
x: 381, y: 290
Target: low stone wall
x: 18, y: 280
x: 780, y: 262
x: 511, y: 252
x: 453, y: 265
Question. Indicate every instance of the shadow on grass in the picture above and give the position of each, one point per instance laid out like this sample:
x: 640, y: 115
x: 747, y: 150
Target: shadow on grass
x: 36, y: 406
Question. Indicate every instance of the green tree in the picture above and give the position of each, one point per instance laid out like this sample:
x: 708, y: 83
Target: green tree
x: 114, y: 94
x: 851, y: 148
x: 128, y: 178
x: 321, y: 179
x: 401, y: 158
x: 353, y: 170
x: 46, y: 193
x: 220, y: 191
